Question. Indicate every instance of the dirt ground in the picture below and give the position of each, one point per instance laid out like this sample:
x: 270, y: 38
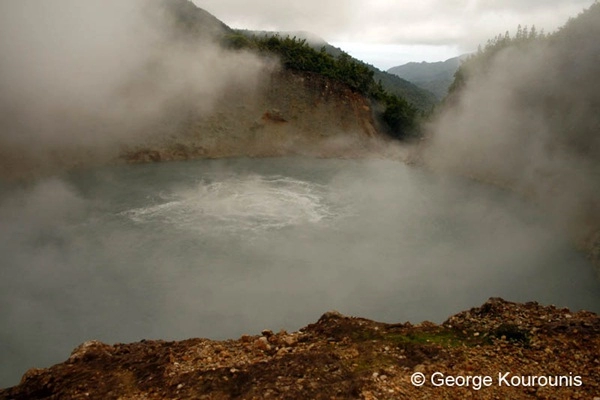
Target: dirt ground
x: 501, y: 350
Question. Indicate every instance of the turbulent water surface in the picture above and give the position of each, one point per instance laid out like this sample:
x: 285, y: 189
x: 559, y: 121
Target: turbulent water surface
x: 220, y: 248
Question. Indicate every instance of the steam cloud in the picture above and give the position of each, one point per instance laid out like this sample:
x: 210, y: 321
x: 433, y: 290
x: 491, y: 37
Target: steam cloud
x: 95, y: 75
x: 91, y: 75
x: 224, y: 247
x: 531, y: 123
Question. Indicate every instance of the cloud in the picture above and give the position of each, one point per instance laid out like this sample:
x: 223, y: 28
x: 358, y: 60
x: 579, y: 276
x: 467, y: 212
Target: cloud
x: 432, y: 22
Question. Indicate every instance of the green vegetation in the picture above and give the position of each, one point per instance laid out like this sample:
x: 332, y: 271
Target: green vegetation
x: 367, y: 363
x: 445, y: 338
x: 566, y: 93
x: 421, y: 99
x: 440, y: 337
x: 435, y: 77
x: 402, y: 103
x: 541, y: 96
x: 479, y: 62
x: 296, y: 54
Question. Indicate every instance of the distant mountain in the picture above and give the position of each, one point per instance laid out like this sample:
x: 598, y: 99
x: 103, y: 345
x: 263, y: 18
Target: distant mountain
x: 421, y: 98
x: 435, y: 77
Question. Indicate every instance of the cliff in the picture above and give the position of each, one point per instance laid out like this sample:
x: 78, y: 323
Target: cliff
x: 188, y: 90
x: 288, y: 113
x: 499, y: 350
x: 283, y: 113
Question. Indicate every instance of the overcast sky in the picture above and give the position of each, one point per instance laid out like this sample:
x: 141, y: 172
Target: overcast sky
x: 386, y: 33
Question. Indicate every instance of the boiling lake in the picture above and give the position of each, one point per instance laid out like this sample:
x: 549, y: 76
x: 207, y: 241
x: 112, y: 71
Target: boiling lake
x: 218, y: 248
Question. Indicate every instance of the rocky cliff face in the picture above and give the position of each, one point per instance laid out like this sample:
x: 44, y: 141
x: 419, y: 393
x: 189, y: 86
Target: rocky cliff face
x: 289, y: 113
x: 173, y: 88
x: 283, y: 113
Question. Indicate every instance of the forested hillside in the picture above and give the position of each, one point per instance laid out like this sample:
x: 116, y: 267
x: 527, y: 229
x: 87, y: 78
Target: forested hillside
x: 402, y: 103
x: 480, y: 62
x: 420, y: 98
x: 399, y: 115
x: 523, y: 112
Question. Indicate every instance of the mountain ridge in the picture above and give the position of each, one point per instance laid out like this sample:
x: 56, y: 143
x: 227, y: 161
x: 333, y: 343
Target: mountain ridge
x: 433, y: 76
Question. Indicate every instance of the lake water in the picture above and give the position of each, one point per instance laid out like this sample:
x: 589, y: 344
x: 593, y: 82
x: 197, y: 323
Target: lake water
x: 225, y: 247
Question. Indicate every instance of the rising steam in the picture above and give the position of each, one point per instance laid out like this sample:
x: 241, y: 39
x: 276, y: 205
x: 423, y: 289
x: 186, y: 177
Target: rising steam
x: 530, y: 122
x: 88, y: 76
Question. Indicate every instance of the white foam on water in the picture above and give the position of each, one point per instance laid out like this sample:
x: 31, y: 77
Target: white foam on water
x: 241, y: 204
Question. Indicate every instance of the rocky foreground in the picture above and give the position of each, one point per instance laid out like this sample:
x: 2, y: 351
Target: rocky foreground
x: 501, y: 350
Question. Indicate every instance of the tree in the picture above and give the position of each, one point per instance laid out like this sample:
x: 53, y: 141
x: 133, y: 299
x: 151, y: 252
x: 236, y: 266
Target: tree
x: 296, y: 54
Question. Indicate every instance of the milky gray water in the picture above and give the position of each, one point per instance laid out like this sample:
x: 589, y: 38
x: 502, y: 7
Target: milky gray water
x: 225, y: 247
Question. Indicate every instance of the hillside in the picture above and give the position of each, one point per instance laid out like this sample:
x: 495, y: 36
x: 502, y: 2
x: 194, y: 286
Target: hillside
x: 526, y: 350
x: 288, y: 113
x: 523, y: 114
x: 187, y: 91
x: 435, y: 77
x: 421, y: 98
x: 194, y: 21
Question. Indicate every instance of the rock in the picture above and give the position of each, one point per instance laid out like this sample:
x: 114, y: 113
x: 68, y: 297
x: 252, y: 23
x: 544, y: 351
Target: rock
x: 251, y: 367
x: 282, y: 351
x: 273, y: 115
x: 90, y: 350
x: 245, y: 338
x: 419, y: 368
x: 262, y: 343
x: 289, y: 341
x: 330, y: 315
x: 267, y: 333
x: 31, y: 373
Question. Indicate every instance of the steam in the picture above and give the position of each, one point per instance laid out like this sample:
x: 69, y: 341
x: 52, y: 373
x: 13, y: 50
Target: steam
x: 98, y: 256
x: 96, y: 75
x: 531, y: 123
x: 217, y: 248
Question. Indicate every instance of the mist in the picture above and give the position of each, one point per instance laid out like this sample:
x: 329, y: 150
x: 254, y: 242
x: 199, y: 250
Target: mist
x: 529, y: 122
x: 218, y: 248
x: 79, y: 80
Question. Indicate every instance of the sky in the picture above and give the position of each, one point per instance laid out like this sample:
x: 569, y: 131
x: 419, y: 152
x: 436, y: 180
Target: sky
x: 387, y: 33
